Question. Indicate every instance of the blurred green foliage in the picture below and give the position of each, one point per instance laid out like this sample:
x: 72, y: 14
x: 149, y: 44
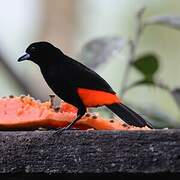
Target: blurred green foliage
x: 99, y: 50
x: 148, y: 65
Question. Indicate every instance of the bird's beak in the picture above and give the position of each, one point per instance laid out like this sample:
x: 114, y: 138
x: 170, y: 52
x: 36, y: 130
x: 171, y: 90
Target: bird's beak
x: 24, y: 57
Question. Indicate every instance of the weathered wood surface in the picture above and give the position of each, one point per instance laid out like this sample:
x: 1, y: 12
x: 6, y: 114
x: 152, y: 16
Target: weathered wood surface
x: 156, y: 151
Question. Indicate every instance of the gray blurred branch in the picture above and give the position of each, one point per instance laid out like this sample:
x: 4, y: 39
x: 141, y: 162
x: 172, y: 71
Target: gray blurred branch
x: 133, y: 43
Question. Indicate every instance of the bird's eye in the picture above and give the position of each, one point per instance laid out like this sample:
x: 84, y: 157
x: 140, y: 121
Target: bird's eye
x: 33, y: 49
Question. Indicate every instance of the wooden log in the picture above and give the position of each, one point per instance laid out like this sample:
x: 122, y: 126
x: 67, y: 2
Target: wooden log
x: 74, y: 151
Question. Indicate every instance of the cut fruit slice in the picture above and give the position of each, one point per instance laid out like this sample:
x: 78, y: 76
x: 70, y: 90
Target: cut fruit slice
x: 26, y: 113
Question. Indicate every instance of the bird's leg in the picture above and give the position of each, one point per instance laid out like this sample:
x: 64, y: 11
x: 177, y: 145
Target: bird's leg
x: 80, y: 113
x: 72, y: 123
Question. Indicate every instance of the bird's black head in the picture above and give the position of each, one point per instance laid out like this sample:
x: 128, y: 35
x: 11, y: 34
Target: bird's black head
x: 40, y: 53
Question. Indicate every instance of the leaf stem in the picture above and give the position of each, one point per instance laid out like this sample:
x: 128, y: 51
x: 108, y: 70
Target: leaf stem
x: 133, y: 44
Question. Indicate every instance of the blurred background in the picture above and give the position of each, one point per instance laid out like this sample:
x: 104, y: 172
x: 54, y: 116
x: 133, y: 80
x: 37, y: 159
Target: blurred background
x: 70, y: 24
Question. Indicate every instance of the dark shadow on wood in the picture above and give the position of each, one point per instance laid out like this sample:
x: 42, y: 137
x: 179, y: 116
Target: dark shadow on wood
x: 90, y: 176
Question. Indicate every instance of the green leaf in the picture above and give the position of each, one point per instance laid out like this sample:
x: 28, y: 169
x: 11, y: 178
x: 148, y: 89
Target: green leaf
x: 166, y: 20
x: 98, y: 51
x: 147, y: 65
x: 176, y: 95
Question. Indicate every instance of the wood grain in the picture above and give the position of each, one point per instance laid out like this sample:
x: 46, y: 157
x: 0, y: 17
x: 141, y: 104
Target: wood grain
x: 156, y: 151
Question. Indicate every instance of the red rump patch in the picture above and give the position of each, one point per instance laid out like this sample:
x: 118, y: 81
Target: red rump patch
x: 94, y: 98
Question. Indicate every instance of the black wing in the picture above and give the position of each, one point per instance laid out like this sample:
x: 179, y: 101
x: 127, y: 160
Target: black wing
x: 83, y: 77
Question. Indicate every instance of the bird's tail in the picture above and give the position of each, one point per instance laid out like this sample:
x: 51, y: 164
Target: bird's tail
x: 128, y: 115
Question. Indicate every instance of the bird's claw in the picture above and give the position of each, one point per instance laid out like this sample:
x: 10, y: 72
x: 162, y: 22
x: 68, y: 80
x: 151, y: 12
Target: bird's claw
x: 59, y: 131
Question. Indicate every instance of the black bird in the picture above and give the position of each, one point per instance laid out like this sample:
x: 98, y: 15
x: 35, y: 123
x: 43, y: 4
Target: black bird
x: 77, y: 84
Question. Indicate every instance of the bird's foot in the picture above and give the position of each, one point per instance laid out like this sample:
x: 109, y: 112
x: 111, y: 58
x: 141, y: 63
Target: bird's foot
x: 59, y: 131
